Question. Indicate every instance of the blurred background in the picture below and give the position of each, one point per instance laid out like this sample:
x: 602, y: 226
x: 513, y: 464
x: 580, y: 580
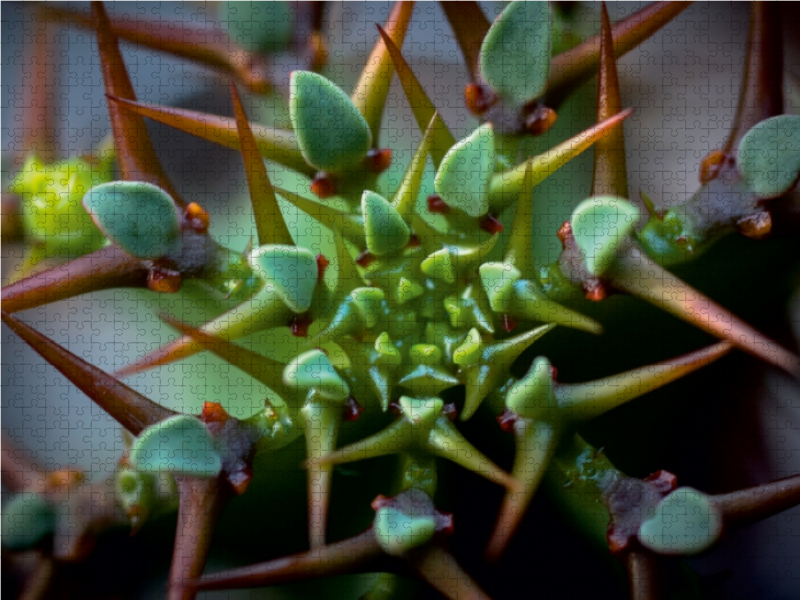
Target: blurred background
x: 736, y: 424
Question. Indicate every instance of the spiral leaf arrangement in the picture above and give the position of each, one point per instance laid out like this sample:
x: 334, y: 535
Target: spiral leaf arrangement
x: 426, y: 317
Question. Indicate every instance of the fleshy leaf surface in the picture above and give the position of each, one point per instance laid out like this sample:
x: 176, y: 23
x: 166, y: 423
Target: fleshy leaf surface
x: 465, y: 173
x: 600, y: 224
x: 385, y: 229
x: 332, y: 134
x: 313, y: 369
x: 293, y: 272
x: 515, y: 55
x: 769, y: 155
x: 179, y: 444
x: 259, y: 26
x: 685, y: 522
x: 140, y: 218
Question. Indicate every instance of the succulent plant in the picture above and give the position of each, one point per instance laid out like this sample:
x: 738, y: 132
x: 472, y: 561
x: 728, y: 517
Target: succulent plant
x: 415, y: 320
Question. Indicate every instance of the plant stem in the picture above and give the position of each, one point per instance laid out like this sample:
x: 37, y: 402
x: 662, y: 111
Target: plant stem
x: 129, y: 408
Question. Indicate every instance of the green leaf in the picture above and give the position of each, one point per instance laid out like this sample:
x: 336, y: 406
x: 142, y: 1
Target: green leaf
x: 498, y: 280
x: 179, y: 444
x: 293, y: 272
x: 26, y: 520
x: 398, y: 532
x: 312, y: 369
x: 332, y: 134
x: 685, y: 522
x: 600, y: 225
x: 385, y: 229
x: 465, y: 173
x: 140, y: 218
x: 532, y: 397
x: 769, y: 156
x: 515, y: 55
x: 259, y: 26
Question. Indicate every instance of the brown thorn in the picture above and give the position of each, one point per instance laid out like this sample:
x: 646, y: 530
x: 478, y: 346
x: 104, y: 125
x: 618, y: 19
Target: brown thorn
x: 643, y: 574
x: 610, y: 176
x: 40, y: 92
x: 201, y: 501
x: 761, y: 96
x: 744, y: 507
x: 136, y: 155
x: 572, y: 68
x: 103, y: 269
x: 129, y: 408
x: 270, y: 225
x: 470, y: 26
x: 348, y: 556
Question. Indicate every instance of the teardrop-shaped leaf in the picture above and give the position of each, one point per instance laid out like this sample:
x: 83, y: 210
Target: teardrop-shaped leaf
x: 259, y: 26
x: 385, y: 229
x: 26, y: 520
x: 599, y: 225
x: 312, y: 369
x: 685, y: 522
x: 498, y: 279
x: 398, y: 532
x: 332, y: 134
x: 515, y: 55
x: 181, y: 445
x: 293, y: 272
x: 139, y: 217
x: 465, y: 173
x: 769, y: 156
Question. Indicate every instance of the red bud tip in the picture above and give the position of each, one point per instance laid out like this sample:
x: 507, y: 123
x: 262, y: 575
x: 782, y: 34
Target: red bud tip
x: 379, y: 160
x: 299, y: 325
x: 323, y: 186
x: 490, y: 224
x: 540, y: 120
x: 507, y: 419
x: 478, y: 98
x: 564, y: 233
x: 197, y: 218
x: 553, y: 372
x: 413, y: 241
x: 213, y: 413
x: 322, y: 264
x: 382, y: 501
x: 437, y: 206
x: 756, y: 226
x: 351, y: 409
x: 240, y: 480
x: 712, y: 164
x: 444, y: 524
x: 508, y: 323
x: 664, y: 481
x: 365, y: 259
x: 450, y: 411
x: 163, y: 279
x: 395, y: 408
x: 595, y: 290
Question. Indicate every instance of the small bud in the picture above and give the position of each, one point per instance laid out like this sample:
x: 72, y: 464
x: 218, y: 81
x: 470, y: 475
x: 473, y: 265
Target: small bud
x: 323, y: 185
x: 490, y: 224
x: 712, y: 164
x: 436, y: 205
x: 540, y: 120
x: 164, y: 280
x: 379, y: 160
x: 197, y: 218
